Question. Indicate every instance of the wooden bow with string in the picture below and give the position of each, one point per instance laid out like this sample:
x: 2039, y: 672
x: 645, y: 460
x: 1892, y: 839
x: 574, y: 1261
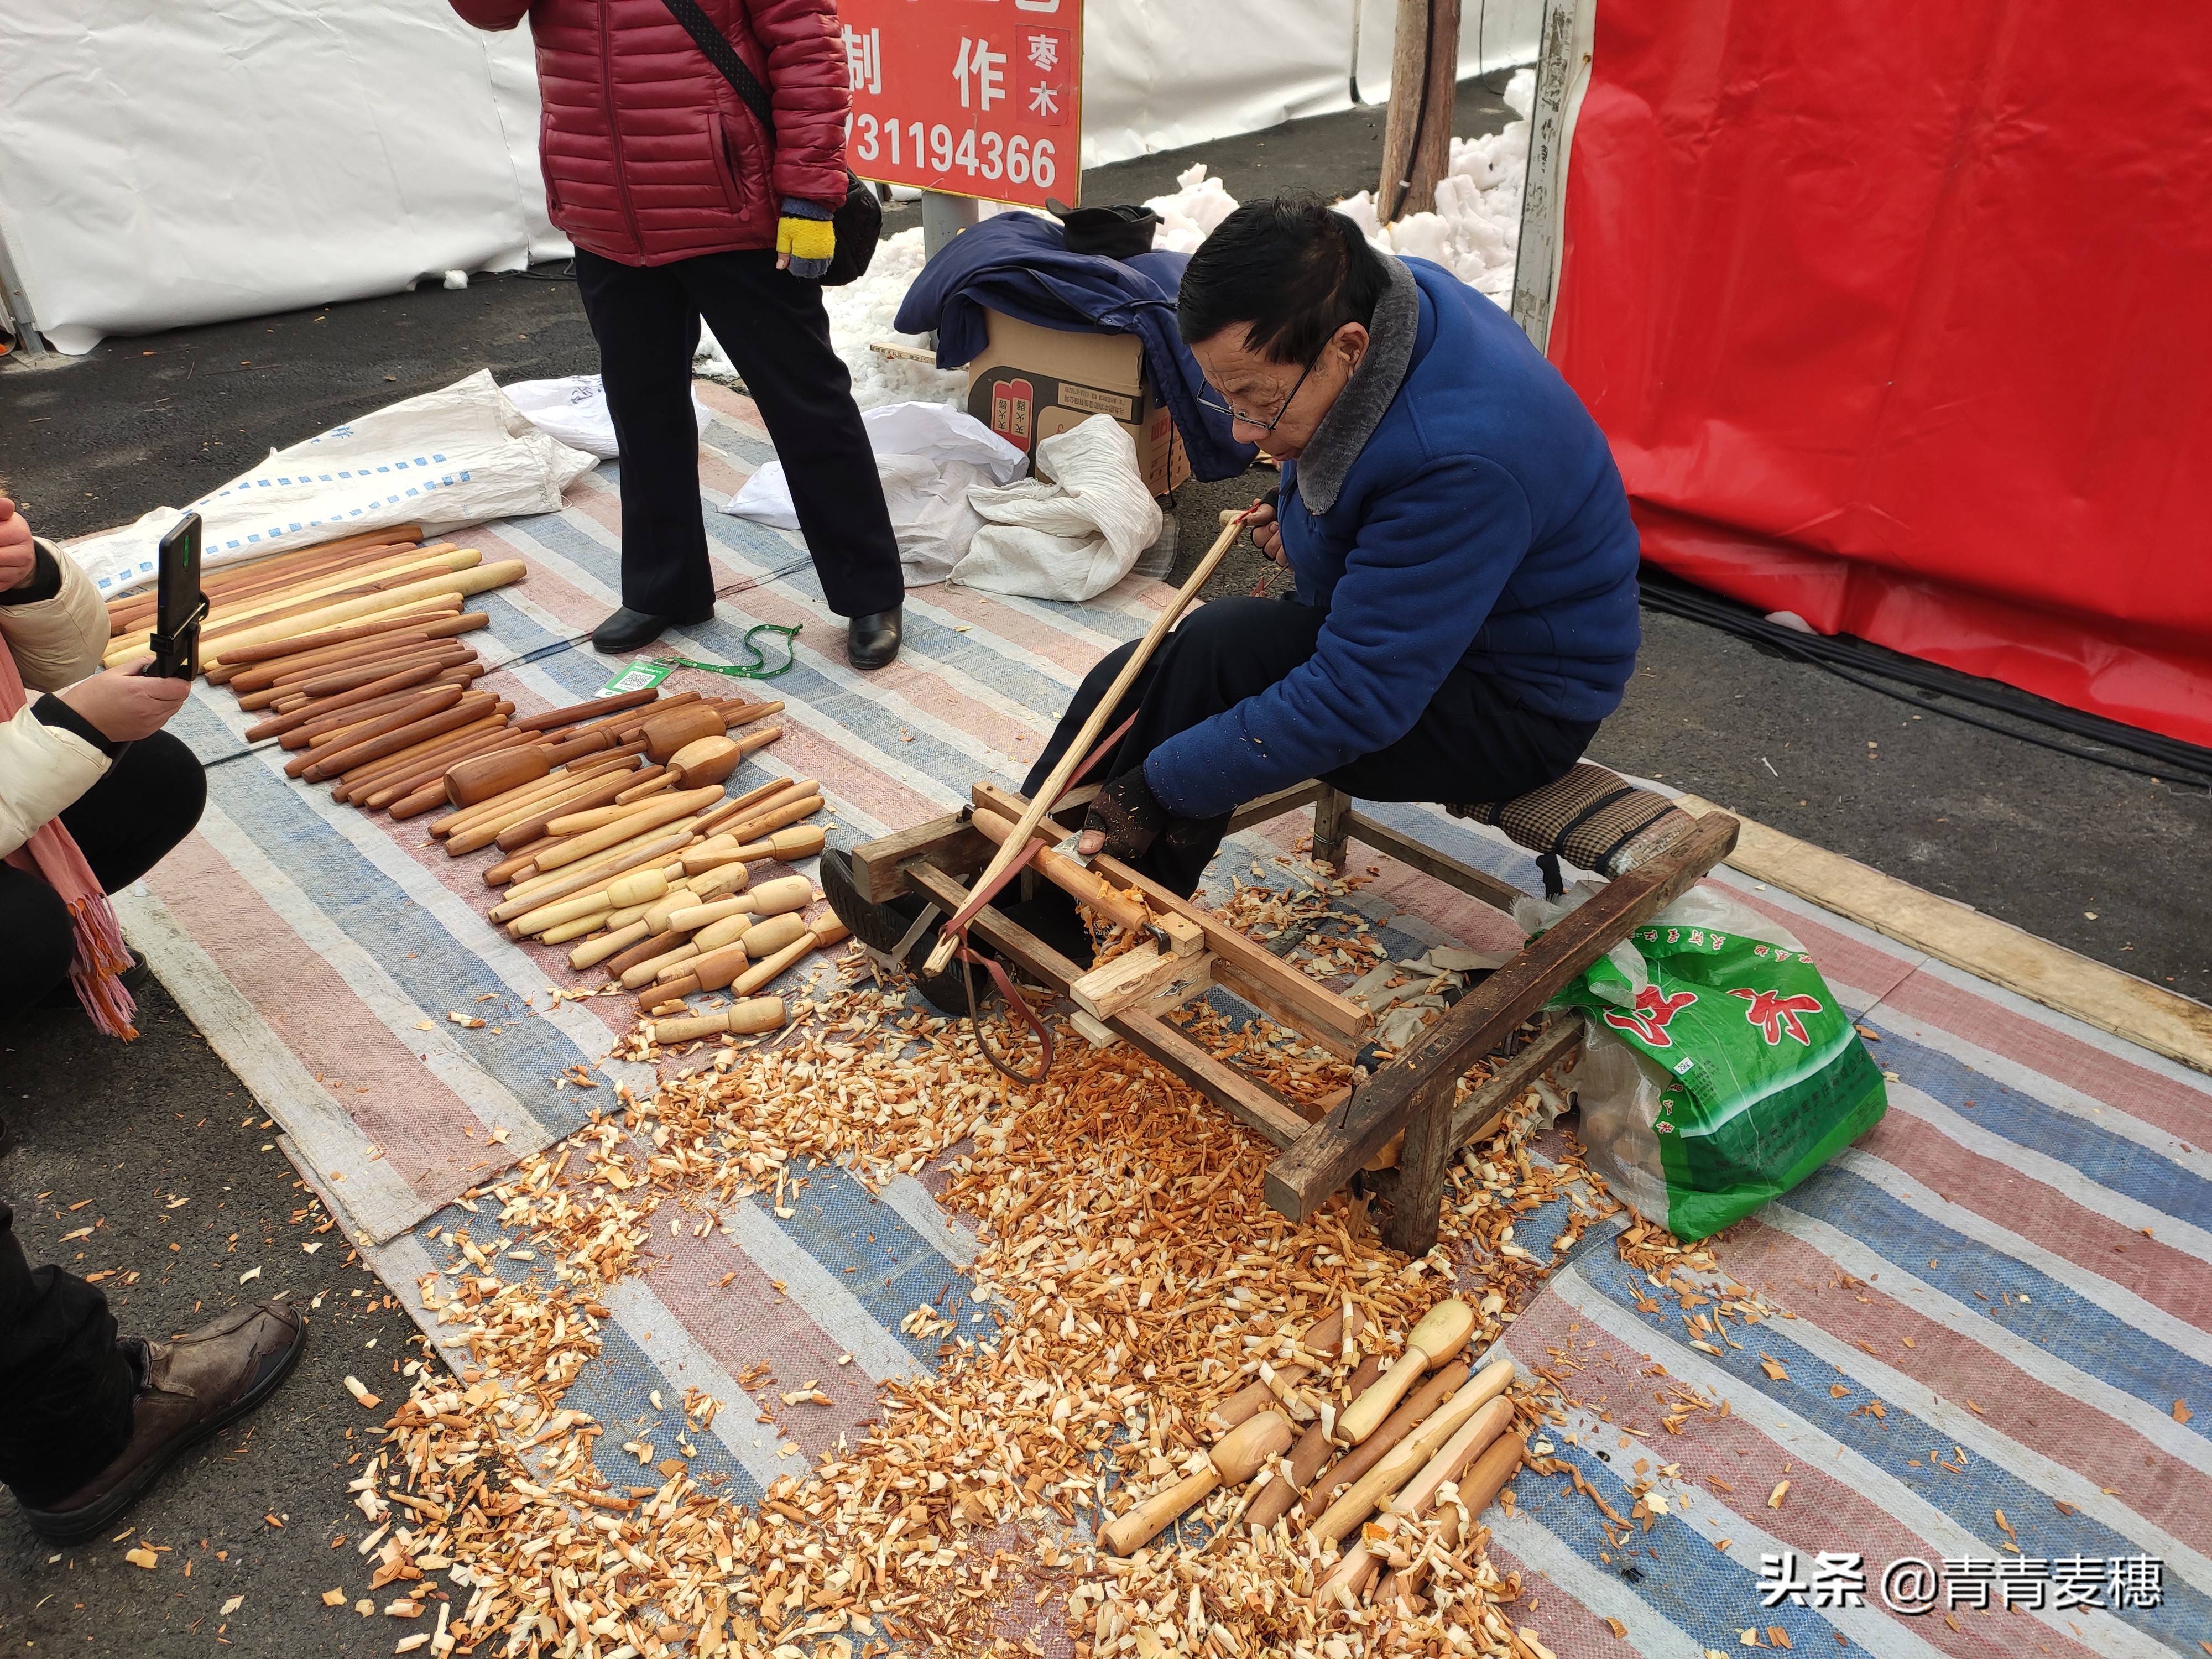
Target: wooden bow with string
x: 1083, y: 753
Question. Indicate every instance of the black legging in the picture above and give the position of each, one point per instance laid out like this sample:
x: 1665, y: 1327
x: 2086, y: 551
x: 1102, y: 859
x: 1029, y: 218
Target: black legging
x: 1476, y: 741
x: 146, y: 803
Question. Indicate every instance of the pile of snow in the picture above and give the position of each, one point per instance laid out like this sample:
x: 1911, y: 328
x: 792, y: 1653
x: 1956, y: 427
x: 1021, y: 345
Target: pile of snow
x: 1472, y: 233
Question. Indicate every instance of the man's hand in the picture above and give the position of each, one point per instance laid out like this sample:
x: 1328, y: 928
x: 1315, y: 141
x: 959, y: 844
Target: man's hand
x: 19, y: 556
x: 1266, y: 534
x: 806, y: 239
x: 126, y: 703
x: 1124, y: 820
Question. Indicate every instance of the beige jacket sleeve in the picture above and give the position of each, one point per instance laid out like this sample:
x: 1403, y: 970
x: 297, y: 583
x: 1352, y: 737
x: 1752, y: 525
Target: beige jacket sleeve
x: 55, y: 642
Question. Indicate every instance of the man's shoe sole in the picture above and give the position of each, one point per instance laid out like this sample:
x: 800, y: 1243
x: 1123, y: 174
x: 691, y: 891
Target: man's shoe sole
x: 77, y: 1525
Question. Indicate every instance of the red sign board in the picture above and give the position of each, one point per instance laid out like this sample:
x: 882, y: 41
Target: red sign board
x: 970, y: 97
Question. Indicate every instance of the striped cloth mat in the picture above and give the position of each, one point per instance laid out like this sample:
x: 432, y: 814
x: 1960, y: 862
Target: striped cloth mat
x: 2012, y: 1264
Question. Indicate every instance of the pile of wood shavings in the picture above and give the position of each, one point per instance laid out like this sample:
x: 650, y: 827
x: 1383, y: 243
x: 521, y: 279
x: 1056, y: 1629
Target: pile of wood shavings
x: 1137, y: 1277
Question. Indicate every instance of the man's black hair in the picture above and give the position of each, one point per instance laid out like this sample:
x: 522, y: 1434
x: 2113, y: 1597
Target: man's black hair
x: 1292, y: 271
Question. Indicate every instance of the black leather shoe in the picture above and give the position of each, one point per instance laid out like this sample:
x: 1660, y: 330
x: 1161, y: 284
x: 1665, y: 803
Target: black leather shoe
x: 871, y: 642
x: 628, y: 629
x: 881, y: 926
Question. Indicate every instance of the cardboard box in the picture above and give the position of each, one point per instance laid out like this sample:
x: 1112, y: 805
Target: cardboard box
x: 1029, y: 383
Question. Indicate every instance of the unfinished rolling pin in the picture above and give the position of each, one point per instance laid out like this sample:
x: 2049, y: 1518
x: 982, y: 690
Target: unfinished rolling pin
x: 1085, y: 886
x: 1233, y: 1460
x: 1413, y: 1499
x: 1313, y: 1449
x: 747, y: 1018
x: 1325, y: 1335
x: 1443, y: 1332
x: 1479, y: 1488
x: 665, y: 733
x: 1396, y: 1466
x: 1433, y: 1392
x: 705, y: 760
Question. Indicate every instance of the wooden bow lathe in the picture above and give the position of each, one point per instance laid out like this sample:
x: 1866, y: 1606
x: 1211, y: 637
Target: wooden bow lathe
x: 1016, y: 850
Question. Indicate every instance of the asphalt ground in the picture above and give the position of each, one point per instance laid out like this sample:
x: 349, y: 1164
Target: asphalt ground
x: 2104, y: 863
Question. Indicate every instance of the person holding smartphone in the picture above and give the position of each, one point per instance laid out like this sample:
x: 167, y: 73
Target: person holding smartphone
x: 93, y: 792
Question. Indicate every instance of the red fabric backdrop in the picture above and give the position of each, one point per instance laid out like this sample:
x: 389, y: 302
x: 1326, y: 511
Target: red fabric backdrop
x: 1900, y: 316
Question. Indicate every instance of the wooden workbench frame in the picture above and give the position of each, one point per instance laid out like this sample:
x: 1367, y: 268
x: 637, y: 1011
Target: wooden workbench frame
x: 1416, y: 1092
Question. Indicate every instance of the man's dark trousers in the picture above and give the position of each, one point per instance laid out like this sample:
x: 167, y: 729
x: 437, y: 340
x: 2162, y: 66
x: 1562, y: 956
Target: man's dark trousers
x: 774, y: 326
x: 66, y: 1390
x: 1476, y: 741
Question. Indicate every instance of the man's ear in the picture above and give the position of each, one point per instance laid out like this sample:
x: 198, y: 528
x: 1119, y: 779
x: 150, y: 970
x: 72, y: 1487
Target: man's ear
x: 1352, y: 340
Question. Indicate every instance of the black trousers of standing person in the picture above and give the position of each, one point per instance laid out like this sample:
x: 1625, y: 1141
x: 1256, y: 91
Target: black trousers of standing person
x: 772, y: 325
x: 146, y: 802
x: 66, y: 1388
x: 1476, y: 741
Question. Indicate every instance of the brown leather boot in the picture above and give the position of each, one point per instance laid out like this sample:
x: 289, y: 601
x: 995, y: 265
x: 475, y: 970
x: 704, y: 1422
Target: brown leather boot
x: 192, y: 1386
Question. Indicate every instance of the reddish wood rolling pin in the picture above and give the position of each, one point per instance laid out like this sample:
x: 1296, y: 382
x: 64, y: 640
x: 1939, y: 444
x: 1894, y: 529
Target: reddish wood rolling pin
x: 1313, y: 1449
x: 1479, y: 1488
x: 472, y: 707
x: 1324, y: 1336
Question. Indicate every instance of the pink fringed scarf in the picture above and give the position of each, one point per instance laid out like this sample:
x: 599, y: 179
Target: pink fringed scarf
x: 51, y: 854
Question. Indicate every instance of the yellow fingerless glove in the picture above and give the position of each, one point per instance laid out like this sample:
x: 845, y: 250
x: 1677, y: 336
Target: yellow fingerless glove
x: 812, y: 239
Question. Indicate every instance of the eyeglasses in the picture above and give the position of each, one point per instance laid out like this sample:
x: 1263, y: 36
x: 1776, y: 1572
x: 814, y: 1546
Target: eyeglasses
x: 1207, y: 400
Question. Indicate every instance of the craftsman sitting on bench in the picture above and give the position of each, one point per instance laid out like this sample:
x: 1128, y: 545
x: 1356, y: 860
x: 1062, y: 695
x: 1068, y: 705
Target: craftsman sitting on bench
x: 1465, y: 611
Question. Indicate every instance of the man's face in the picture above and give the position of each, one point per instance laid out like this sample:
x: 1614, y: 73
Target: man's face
x: 1277, y: 406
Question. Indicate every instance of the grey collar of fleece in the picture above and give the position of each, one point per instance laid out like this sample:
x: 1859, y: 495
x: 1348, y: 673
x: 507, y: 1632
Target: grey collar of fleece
x: 1367, y: 396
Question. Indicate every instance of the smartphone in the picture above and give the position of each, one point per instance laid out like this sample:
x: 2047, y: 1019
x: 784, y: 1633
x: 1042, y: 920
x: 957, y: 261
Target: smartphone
x: 176, y: 639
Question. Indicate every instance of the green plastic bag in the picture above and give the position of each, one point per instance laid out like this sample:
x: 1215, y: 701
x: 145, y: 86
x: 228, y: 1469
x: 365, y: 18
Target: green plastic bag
x: 1718, y: 1069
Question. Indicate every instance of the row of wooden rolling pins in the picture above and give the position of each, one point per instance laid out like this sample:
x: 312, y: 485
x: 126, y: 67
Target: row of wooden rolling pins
x: 1428, y: 1419
x: 633, y: 856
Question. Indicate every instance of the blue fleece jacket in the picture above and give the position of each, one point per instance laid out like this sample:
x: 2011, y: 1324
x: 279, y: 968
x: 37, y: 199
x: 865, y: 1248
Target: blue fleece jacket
x: 1483, y: 522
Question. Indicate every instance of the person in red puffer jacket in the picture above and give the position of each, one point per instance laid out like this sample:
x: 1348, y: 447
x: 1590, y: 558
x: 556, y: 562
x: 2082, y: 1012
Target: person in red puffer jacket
x: 681, y: 207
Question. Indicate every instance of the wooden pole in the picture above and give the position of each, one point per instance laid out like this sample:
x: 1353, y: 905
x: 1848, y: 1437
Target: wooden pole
x: 1424, y: 86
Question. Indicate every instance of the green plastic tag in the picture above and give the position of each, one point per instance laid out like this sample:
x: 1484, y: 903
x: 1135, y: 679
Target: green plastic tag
x: 640, y: 676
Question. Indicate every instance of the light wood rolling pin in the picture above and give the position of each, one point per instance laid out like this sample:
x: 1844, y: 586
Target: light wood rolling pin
x: 828, y: 931
x: 652, y: 817
x: 520, y: 825
x: 1443, y: 1332
x: 1093, y: 726
x: 1413, y: 1499
x: 1398, y: 1465
x: 288, y: 660
x: 518, y: 803
x: 1324, y: 1336
x: 1477, y: 1489
x: 1313, y: 1449
x: 480, y: 578
x: 310, y: 593
x: 1432, y: 1392
x: 1085, y: 885
x: 1233, y: 1460
x: 747, y: 1018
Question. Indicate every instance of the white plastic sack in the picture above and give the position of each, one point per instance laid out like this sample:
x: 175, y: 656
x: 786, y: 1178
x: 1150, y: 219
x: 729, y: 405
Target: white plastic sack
x: 573, y: 411
x: 449, y: 457
x: 929, y: 456
x: 1071, y: 538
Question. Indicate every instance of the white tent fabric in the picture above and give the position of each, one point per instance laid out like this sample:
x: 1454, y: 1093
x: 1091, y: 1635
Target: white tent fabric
x: 163, y: 165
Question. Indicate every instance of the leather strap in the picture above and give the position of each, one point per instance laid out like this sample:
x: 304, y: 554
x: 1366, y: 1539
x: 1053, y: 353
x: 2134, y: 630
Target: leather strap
x: 1015, y: 1003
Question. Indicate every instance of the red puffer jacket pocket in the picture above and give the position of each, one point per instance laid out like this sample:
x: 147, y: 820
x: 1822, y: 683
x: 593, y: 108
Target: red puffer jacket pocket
x: 733, y: 139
